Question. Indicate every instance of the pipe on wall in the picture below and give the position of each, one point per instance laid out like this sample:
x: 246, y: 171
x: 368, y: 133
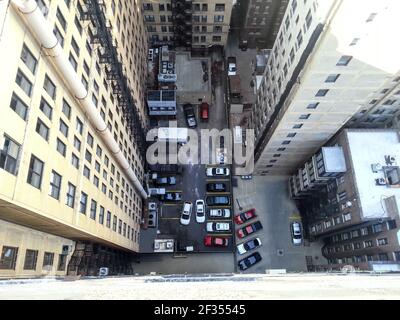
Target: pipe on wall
x: 43, y: 32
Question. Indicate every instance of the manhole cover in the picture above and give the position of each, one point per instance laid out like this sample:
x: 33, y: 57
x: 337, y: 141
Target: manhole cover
x: 279, y: 252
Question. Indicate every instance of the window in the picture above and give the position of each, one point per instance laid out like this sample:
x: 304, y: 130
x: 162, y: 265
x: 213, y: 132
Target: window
x: 55, y: 185
x: 364, y: 231
x: 120, y: 226
x: 147, y: 7
x: 101, y: 215
x: 313, y: 105
x: 332, y: 78
x: 77, y: 143
x: 99, y: 151
x: 61, y: 19
x: 75, y: 46
x: 86, y: 172
x: 382, y: 241
x: 108, y: 221
x: 89, y: 140
x: 46, y: 109
x: 42, y: 7
x: 30, y: 259
x: 291, y: 135
x: 35, y: 172
x: 24, y: 83
x: 305, y: 116
x: 61, y: 147
x: 59, y: 36
x: 377, y: 228
x: 88, y: 156
x: 368, y: 244
x: 62, y: 262
x: 103, y: 188
x: 391, y: 224
x: 216, y: 38
x: 383, y: 257
x: 322, y: 93
x: 78, y: 25
x: 115, y: 223
x: 70, y: 200
x: 8, y: 258
x: 83, y: 203
x: 75, y: 161
x: 219, y: 7
x: 63, y: 128
x: 66, y: 109
x: 219, y: 18
x: 28, y: 58
x: 48, y: 259
x: 286, y: 142
x: 18, y: 106
x: 371, y: 17
x: 297, y: 126
x: 49, y: 87
x: 73, y: 62
x: 9, y: 155
x: 93, y: 209
x: 281, y: 149
x: 344, y: 60
x: 79, y: 125
x: 96, y: 181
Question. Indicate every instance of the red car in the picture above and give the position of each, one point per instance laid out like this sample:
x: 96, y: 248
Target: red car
x: 251, y: 228
x: 210, y: 241
x: 245, y: 216
x: 204, y: 109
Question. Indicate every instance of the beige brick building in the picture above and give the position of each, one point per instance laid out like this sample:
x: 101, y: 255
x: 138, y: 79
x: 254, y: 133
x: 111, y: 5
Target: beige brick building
x: 71, y: 166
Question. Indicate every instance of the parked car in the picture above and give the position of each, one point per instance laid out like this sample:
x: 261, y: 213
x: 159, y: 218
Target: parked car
x: 204, y: 111
x: 218, y: 201
x: 210, y: 241
x: 296, y: 233
x: 166, y: 181
x: 200, y: 211
x: 245, y: 216
x: 248, y: 246
x: 231, y: 66
x: 249, y: 261
x: 190, y: 116
x: 219, y: 213
x: 218, y: 227
x: 171, y: 196
x: 250, y: 229
x: 215, y: 172
x: 216, y: 187
x: 186, y: 213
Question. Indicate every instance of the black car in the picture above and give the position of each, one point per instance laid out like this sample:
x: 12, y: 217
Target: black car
x: 190, y: 116
x: 216, y: 187
x: 249, y: 261
x: 171, y: 196
x: 166, y: 181
x: 218, y: 200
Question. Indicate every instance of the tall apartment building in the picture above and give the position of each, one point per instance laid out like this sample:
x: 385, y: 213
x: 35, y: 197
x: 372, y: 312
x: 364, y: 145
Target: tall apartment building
x: 187, y: 23
x: 72, y: 124
x: 260, y: 21
x: 333, y: 60
x: 349, y: 195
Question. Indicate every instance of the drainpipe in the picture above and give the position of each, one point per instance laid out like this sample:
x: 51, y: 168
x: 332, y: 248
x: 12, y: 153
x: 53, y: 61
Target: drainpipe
x: 43, y: 32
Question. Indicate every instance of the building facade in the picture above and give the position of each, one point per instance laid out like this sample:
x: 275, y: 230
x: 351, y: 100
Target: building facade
x: 348, y: 195
x: 72, y: 161
x: 327, y: 66
x: 186, y: 23
x: 260, y: 21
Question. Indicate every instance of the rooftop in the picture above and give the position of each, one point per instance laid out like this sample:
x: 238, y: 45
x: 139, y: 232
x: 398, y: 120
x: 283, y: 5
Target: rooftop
x: 367, y: 148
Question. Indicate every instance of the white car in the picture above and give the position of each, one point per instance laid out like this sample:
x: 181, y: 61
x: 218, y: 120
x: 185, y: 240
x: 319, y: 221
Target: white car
x: 211, y: 172
x: 232, y: 69
x: 296, y: 233
x: 186, y: 213
x: 218, y: 227
x: 200, y: 211
x: 249, y: 245
x: 220, y: 213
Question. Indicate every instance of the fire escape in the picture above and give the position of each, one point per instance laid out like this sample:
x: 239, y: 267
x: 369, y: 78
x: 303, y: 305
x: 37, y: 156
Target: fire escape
x: 182, y: 19
x: 101, y: 34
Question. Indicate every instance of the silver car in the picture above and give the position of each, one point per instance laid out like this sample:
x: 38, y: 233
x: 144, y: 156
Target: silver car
x: 296, y: 233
